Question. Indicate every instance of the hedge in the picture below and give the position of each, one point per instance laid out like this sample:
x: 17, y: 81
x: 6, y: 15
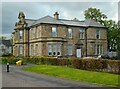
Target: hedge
x: 106, y: 65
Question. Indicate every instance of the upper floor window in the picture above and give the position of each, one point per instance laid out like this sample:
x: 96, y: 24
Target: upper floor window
x: 36, y: 32
x: 32, y: 31
x: 98, y: 34
x: 54, y: 32
x: 82, y: 33
x: 69, y: 32
x: 21, y: 35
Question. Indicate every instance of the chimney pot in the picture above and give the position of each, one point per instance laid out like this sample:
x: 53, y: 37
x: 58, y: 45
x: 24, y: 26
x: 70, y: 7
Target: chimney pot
x: 56, y: 15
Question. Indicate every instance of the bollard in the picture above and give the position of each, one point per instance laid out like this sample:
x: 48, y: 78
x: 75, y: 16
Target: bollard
x: 7, y: 67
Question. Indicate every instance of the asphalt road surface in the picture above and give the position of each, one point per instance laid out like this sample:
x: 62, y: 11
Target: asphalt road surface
x: 18, y: 78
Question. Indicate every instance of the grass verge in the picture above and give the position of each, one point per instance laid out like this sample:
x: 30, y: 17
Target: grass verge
x: 76, y: 74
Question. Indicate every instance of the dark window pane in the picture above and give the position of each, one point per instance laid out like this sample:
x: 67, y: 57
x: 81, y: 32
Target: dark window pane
x: 58, y: 53
x: 54, y: 53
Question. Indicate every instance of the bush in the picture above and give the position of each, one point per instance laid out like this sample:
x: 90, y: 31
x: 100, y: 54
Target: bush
x: 113, y: 66
x: 87, y: 64
x: 4, y: 60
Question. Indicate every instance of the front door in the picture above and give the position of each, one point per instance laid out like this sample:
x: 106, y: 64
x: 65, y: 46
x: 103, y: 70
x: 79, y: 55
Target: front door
x: 78, y: 53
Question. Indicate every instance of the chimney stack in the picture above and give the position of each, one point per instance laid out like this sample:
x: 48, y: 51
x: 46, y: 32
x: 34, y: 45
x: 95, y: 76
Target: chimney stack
x: 56, y: 15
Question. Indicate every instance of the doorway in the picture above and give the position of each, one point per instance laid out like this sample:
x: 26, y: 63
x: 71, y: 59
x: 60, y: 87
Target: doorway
x: 78, y: 53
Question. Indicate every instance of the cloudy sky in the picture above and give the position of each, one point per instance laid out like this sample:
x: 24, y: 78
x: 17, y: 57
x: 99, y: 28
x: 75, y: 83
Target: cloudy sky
x: 34, y: 10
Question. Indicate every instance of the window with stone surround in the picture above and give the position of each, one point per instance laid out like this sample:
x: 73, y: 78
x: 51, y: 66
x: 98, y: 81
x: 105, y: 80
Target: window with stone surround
x: 82, y: 33
x: 36, y: 28
x: 69, y: 32
x: 98, y: 34
x: 69, y: 49
x: 32, y: 50
x: 54, y: 49
x: 21, y: 35
x: 98, y: 49
x: 31, y: 33
x: 59, y: 49
x: 36, y: 49
x: 54, y: 31
x: 20, y: 49
x: 49, y: 49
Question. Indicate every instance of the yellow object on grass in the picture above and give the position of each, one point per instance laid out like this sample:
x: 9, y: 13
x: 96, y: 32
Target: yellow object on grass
x: 19, y: 63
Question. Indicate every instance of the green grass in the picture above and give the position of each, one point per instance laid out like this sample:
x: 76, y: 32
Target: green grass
x: 76, y: 74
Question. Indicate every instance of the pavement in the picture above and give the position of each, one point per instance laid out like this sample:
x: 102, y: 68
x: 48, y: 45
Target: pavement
x: 19, y: 78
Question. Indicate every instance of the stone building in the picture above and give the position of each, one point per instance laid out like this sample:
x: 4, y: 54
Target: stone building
x: 52, y: 36
x: 5, y: 47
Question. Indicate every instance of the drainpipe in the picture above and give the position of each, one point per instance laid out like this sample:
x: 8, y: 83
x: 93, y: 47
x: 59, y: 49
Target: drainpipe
x: 28, y: 41
x: 86, y: 41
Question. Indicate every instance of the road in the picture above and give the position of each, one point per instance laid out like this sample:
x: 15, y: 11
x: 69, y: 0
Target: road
x: 19, y: 78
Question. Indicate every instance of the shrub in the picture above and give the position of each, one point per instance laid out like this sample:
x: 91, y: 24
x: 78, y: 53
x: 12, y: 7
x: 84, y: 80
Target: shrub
x: 87, y: 64
x: 4, y: 60
x: 113, y: 66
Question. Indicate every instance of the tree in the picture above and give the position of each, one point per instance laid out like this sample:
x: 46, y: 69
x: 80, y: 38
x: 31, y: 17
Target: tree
x: 2, y: 38
x: 95, y: 14
x: 113, y: 32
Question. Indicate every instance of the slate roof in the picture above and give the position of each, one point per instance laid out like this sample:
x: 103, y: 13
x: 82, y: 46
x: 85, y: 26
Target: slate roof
x: 50, y: 20
x: 6, y: 42
x: 92, y: 23
x: 30, y: 21
x: 47, y: 19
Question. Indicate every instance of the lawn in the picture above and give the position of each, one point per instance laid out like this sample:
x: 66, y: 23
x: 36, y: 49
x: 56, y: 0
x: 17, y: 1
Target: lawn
x: 76, y: 74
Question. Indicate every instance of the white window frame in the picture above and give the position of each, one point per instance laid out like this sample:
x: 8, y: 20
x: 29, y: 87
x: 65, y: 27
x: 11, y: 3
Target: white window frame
x: 21, y: 35
x: 54, y: 49
x: 20, y: 49
x: 36, y: 49
x: 99, y: 49
x: 54, y: 31
x: 69, y: 33
x: 59, y: 49
x: 82, y: 33
x: 50, y: 49
x: 69, y: 49
x: 98, y: 34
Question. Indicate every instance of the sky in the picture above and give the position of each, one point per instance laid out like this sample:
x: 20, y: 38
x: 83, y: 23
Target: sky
x: 66, y: 10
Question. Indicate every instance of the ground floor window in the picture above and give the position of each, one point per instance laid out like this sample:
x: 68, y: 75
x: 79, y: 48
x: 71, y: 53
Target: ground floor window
x: 54, y: 49
x: 20, y: 49
x: 49, y: 49
x: 36, y: 49
x: 59, y: 49
x: 98, y: 49
x: 31, y: 51
x: 69, y: 49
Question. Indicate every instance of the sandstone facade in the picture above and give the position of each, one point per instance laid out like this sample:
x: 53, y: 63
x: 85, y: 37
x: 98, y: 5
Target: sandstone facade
x: 50, y: 36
